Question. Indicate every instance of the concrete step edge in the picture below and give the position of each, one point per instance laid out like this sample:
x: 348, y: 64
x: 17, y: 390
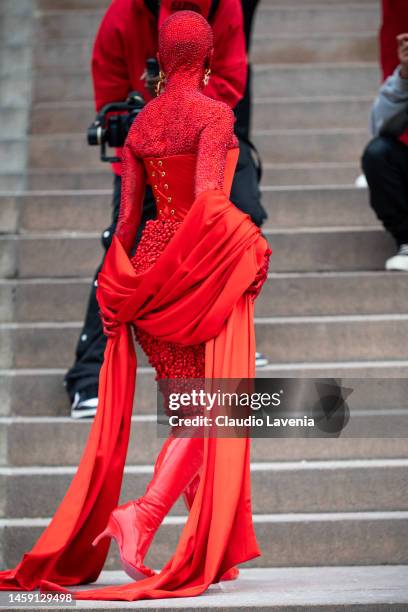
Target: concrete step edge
x: 270, y: 466
x: 51, y: 280
x: 298, y: 517
x: 80, y: 235
x: 75, y: 40
x: 311, y: 319
x: 62, y: 193
x: 279, y: 367
x: 51, y: 105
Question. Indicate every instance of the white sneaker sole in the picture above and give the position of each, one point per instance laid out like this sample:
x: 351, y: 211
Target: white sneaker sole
x: 84, y: 413
x: 399, y: 263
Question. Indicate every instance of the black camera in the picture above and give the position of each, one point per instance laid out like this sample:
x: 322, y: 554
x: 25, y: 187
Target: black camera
x: 112, y: 124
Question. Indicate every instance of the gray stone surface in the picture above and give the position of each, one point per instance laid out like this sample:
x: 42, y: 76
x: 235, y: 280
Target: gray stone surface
x: 76, y: 254
x: 290, y: 487
x: 326, y: 589
x: 38, y: 441
x: 329, y: 338
x: 89, y: 210
x: 296, y: 540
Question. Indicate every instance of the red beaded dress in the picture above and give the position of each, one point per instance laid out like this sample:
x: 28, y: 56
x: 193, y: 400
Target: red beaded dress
x: 187, y: 294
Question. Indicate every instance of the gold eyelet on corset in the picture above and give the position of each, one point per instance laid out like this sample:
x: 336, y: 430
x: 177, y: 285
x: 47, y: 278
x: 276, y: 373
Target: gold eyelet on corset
x: 151, y: 162
x: 172, y: 211
x: 153, y: 173
x: 166, y: 186
x: 169, y: 199
x: 163, y: 173
x: 160, y: 162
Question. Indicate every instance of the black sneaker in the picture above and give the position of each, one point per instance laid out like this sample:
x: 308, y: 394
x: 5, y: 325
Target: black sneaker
x: 85, y: 403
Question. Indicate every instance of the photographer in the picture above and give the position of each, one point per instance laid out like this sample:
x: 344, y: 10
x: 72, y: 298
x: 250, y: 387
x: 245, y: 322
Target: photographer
x: 385, y: 159
x: 125, y: 42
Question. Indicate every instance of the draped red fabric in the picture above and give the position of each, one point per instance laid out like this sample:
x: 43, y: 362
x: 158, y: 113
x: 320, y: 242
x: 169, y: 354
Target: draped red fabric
x: 196, y: 292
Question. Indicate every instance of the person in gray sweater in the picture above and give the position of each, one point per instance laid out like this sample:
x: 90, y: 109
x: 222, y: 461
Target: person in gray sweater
x: 385, y: 159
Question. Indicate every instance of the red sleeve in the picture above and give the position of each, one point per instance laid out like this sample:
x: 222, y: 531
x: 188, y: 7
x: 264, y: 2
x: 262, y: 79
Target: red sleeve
x: 111, y: 78
x: 131, y: 202
x: 229, y: 65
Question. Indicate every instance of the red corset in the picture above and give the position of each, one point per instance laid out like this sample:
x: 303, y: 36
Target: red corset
x: 172, y: 179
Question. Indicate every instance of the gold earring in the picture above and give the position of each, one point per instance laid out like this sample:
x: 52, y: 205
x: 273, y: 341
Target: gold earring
x: 206, y: 78
x: 160, y: 82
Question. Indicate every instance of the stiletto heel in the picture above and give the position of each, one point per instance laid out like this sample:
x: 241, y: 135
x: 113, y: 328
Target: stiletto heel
x: 137, y: 571
x: 112, y: 530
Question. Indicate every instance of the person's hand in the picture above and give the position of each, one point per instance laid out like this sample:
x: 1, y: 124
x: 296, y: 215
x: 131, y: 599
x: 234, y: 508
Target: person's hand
x: 110, y: 327
x: 151, y: 83
x: 402, y: 40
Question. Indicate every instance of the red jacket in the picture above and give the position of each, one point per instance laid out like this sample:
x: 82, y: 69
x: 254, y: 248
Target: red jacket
x: 128, y: 35
x: 394, y: 22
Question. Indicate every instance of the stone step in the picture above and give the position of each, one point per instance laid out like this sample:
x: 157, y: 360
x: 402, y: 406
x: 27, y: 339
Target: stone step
x: 311, y: 146
x: 311, y: 113
x: 301, y: 49
x: 270, y: 20
x: 278, y: 81
x: 77, y: 254
x: 302, y: 540
x: 32, y: 441
x: 15, y: 58
x: 289, y: 113
x: 88, y: 211
x: 284, y: 294
x: 277, y: 146
x: 312, y: 3
x: 311, y: 18
x: 284, y: 146
x: 302, y: 174
x: 55, y: 179
x: 370, y: 589
x: 14, y: 122
x: 297, y: 486
x: 285, y: 175
x: 270, y: 80
x: 86, y: 5
x: 283, y: 339
x: 21, y: 8
x: 70, y: 54
x: 14, y: 30
x: 40, y: 392
x: 14, y: 91
x: 12, y: 154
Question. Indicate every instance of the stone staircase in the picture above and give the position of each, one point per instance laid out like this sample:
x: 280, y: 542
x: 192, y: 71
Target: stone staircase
x: 329, y: 309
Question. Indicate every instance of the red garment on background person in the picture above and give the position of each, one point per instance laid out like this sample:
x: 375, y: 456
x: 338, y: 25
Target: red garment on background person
x: 394, y: 22
x: 128, y: 35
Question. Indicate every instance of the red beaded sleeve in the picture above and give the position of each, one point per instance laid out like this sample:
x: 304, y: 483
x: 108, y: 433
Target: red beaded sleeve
x: 131, y: 203
x: 215, y: 139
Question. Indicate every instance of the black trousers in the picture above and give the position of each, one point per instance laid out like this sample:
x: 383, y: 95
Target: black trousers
x: 245, y: 194
x: 385, y: 165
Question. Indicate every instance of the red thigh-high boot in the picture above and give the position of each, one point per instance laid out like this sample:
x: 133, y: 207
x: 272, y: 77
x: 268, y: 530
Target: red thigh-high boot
x: 188, y: 495
x: 134, y: 524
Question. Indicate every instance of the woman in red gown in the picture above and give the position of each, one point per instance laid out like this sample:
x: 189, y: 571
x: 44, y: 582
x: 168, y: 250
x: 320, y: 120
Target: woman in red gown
x: 188, y: 294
